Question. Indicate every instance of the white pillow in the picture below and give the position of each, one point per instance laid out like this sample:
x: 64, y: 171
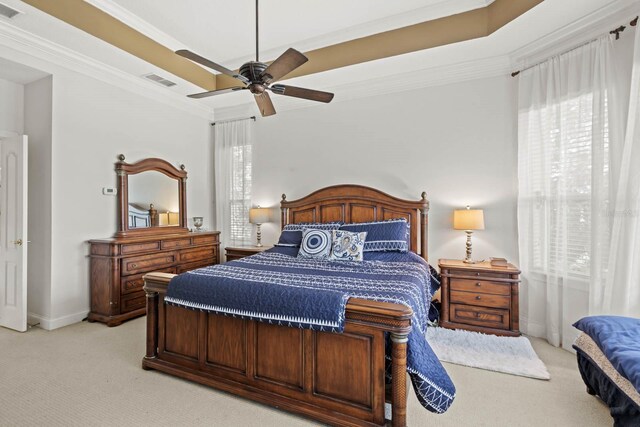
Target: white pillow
x: 347, y: 245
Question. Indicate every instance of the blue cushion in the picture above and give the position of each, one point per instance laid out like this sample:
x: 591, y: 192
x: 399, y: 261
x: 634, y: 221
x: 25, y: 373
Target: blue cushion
x: 391, y: 235
x: 291, y: 235
x: 347, y: 246
x: 315, y: 244
x: 619, y: 339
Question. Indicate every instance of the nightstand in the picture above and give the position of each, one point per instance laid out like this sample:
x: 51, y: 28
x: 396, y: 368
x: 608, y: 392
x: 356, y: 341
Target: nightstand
x: 479, y: 297
x: 236, y: 252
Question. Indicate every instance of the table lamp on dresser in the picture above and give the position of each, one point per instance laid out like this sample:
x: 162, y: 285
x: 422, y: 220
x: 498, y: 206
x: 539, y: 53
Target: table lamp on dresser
x: 468, y: 220
x: 258, y: 216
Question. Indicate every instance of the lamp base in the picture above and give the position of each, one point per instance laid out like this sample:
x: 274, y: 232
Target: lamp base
x: 258, y: 237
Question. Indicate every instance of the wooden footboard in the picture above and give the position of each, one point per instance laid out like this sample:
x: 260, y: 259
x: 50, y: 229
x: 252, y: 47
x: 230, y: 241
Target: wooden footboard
x: 335, y: 378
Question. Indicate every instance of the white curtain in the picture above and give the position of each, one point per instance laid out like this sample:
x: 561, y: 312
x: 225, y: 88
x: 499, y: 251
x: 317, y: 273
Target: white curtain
x: 232, y: 173
x: 568, y: 126
x: 620, y: 293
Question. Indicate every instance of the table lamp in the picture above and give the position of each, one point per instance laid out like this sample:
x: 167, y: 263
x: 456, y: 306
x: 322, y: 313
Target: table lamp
x: 258, y: 216
x: 468, y: 220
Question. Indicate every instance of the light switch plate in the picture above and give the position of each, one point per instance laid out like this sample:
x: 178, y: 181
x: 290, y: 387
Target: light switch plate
x: 109, y: 191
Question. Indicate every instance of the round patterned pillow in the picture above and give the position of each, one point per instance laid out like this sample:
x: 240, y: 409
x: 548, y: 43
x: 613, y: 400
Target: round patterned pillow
x: 315, y: 244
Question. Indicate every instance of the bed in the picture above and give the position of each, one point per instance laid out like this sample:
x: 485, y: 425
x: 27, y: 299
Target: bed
x: 338, y: 379
x: 608, y: 353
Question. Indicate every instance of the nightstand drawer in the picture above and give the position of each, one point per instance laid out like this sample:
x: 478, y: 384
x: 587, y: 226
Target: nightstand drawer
x: 480, y: 286
x: 484, y: 275
x: 480, y: 316
x: 484, y: 300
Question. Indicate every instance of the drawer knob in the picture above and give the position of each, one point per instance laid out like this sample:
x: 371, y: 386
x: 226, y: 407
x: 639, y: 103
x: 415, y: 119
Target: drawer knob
x: 134, y: 265
x: 477, y: 314
x: 477, y: 297
x: 477, y: 274
x: 478, y: 284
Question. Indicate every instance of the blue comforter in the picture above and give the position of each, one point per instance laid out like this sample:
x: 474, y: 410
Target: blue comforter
x: 619, y: 339
x: 278, y: 288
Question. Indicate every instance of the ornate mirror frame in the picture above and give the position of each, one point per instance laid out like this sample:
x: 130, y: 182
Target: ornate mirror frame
x: 123, y: 170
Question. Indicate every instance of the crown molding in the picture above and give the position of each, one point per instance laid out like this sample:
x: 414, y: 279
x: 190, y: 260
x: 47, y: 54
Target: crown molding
x: 22, y: 41
x: 428, y: 77
x: 580, y: 31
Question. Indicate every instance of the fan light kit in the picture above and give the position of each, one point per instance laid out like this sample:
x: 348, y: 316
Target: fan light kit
x: 257, y: 77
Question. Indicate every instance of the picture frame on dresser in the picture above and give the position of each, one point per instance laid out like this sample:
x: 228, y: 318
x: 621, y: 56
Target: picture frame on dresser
x: 118, y: 264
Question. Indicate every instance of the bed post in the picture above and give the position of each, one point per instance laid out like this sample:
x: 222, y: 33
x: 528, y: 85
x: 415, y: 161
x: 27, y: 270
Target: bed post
x: 424, y: 223
x: 152, y: 326
x: 399, y: 379
x: 283, y: 212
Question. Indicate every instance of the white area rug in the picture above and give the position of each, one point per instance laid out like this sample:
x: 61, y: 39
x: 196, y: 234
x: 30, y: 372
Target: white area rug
x: 511, y: 355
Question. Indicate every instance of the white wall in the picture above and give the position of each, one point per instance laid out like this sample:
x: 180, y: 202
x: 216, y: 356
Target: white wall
x: 456, y: 142
x: 11, y: 106
x: 38, y: 126
x: 93, y: 122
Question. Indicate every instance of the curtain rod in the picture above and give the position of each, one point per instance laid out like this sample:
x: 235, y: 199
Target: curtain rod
x: 234, y: 120
x: 615, y: 31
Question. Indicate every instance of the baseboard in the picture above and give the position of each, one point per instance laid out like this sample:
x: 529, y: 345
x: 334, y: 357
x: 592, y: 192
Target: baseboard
x: 533, y: 329
x: 50, y: 324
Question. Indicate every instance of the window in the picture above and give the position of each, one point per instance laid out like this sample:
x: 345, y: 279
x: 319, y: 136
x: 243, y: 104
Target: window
x: 563, y: 166
x: 240, y: 197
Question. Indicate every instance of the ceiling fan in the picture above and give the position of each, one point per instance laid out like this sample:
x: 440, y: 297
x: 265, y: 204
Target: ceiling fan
x: 257, y: 77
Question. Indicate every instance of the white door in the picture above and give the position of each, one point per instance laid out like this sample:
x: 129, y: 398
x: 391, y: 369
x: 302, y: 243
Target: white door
x: 13, y: 232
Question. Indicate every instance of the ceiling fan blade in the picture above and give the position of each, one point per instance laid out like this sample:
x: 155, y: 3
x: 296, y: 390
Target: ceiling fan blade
x: 283, y: 65
x: 265, y: 105
x: 215, y: 92
x: 300, y: 92
x: 210, y: 64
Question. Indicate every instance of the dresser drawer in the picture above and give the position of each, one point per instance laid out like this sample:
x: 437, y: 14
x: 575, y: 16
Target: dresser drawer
x: 484, y: 300
x: 129, y: 284
x: 479, y: 316
x: 205, y: 240
x: 133, y: 302
x: 146, y: 263
x: 193, y: 265
x: 176, y: 243
x: 480, y: 286
x: 196, y: 254
x: 132, y: 248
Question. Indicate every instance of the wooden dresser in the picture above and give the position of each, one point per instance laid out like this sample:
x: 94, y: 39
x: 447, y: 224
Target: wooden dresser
x: 118, y: 265
x: 479, y: 297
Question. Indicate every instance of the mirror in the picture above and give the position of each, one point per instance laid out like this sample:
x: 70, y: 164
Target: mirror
x: 152, y: 197
x: 153, y: 200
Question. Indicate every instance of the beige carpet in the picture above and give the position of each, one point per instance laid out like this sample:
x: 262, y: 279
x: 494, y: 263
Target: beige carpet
x: 90, y: 375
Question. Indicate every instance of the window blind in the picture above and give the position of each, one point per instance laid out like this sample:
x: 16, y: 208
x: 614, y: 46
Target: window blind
x: 562, y: 165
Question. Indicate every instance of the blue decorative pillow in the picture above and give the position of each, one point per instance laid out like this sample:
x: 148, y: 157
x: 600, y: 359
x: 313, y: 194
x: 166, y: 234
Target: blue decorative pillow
x: 315, y: 244
x: 291, y: 235
x: 391, y: 235
x: 347, y: 246
x: 290, y: 238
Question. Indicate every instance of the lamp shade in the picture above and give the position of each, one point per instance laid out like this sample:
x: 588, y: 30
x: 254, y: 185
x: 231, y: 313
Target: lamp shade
x: 258, y: 215
x: 468, y: 219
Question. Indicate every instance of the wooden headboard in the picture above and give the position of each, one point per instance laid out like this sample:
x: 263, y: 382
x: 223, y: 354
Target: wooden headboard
x: 357, y: 203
